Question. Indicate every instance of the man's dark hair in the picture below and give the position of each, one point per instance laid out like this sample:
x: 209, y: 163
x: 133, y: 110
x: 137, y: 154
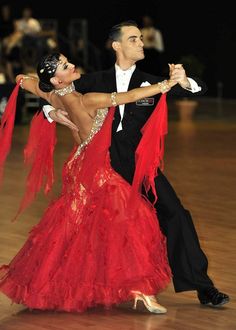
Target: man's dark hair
x: 115, y: 32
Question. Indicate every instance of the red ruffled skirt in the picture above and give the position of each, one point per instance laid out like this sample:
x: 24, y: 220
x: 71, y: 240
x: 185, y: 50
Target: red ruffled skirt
x: 89, y: 248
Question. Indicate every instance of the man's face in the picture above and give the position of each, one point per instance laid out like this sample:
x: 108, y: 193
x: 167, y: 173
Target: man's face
x: 131, y: 43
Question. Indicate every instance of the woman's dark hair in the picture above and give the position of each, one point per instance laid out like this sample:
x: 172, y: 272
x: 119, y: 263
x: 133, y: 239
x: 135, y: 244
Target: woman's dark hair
x: 115, y: 32
x: 46, y: 70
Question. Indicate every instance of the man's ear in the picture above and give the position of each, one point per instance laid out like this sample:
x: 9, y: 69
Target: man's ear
x: 115, y: 45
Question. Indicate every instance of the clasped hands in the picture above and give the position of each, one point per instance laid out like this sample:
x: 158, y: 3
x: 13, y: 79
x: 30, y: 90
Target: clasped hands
x: 177, y: 73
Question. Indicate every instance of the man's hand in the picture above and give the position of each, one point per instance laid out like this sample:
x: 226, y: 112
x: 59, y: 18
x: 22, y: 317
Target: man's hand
x: 61, y: 117
x: 178, y: 74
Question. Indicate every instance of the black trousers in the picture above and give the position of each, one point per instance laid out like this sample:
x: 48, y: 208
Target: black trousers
x: 187, y: 260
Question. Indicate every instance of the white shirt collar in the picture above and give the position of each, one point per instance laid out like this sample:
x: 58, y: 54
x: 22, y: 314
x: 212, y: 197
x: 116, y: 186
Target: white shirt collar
x: 129, y: 71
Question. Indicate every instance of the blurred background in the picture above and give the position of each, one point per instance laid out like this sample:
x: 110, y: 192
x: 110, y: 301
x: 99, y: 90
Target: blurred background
x: 200, y: 35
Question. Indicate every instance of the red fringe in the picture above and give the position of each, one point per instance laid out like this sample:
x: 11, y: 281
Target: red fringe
x: 6, y: 128
x: 150, y: 151
x: 38, y: 153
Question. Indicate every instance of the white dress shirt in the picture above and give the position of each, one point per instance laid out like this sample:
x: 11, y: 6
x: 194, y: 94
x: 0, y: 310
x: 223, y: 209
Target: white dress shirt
x: 122, y: 83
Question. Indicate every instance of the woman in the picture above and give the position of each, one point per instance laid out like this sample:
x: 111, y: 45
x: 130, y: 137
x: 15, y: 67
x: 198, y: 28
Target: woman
x: 92, y: 246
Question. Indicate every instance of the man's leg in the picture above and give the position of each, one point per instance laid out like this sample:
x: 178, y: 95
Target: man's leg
x: 187, y: 260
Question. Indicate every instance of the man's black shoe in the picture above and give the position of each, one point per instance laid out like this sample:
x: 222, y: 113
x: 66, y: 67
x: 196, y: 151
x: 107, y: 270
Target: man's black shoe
x: 212, y: 297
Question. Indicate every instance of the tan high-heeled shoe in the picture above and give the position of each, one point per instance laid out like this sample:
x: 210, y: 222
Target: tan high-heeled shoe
x: 149, y: 302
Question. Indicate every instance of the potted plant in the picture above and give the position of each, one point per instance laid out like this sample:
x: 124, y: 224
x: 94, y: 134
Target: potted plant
x: 194, y: 68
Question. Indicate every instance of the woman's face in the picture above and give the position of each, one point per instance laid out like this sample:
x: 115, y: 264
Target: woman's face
x: 66, y: 72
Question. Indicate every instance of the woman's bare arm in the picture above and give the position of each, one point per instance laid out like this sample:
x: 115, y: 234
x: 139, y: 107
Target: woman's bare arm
x: 30, y: 84
x: 93, y: 101
x: 101, y: 100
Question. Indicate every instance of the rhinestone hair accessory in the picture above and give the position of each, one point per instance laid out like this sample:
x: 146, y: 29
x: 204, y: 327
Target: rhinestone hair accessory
x: 50, y: 66
x: 66, y: 90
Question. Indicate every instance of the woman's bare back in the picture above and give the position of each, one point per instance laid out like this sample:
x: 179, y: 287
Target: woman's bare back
x: 80, y: 116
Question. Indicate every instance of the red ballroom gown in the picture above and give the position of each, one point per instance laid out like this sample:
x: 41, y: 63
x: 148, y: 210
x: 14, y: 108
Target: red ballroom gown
x: 90, y: 248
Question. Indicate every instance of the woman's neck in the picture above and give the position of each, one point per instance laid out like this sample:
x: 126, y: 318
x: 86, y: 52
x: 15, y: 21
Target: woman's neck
x: 65, y: 90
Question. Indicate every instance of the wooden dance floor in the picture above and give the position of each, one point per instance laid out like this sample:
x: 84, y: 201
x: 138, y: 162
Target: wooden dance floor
x: 200, y: 163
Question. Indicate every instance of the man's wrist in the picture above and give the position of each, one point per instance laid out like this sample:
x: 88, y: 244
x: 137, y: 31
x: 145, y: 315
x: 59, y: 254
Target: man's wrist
x: 186, y: 85
x: 194, y: 87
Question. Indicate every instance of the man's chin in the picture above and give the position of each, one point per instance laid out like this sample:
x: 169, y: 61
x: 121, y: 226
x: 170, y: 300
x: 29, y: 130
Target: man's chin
x: 77, y: 75
x: 141, y: 57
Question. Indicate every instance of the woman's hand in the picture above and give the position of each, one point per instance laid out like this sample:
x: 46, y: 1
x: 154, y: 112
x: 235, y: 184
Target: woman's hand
x: 61, y: 117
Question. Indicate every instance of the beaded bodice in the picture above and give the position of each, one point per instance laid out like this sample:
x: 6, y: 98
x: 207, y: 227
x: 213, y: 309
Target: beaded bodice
x: 97, y: 124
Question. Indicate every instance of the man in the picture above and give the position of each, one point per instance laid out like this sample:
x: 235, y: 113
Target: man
x: 187, y: 260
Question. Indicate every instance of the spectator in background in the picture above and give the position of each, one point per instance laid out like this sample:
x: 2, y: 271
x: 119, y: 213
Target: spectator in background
x: 6, y: 29
x: 34, y: 35
x: 153, y: 46
x: 31, y: 41
x: 22, y: 45
x: 28, y: 25
x: 26, y: 44
x: 6, y: 21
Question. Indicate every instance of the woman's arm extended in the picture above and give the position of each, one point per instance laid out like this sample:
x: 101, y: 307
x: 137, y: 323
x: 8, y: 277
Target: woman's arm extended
x: 101, y: 100
x: 30, y: 84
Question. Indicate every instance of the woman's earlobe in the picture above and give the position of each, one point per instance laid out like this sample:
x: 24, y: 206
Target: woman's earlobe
x: 54, y: 81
